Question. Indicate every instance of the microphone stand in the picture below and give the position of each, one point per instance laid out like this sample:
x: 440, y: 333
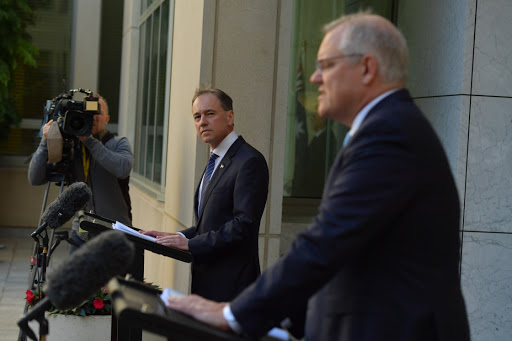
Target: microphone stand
x: 40, y: 258
x: 37, y: 233
x: 43, y: 328
x: 38, y: 315
x: 60, y: 236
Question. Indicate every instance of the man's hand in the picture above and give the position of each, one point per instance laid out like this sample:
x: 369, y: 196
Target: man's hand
x: 46, y: 129
x: 168, y: 239
x: 154, y: 233
x: 82, y: 138
x: 201, y: 309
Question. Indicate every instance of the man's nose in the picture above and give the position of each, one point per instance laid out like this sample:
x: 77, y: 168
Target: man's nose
x: 316, y: 77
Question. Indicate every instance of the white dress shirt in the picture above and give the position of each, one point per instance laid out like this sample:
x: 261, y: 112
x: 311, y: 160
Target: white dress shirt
x: 220, y: 150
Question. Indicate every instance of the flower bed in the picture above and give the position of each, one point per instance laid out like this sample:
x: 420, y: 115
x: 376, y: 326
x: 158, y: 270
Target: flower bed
x: 97, y: 304
x: 76, y: 328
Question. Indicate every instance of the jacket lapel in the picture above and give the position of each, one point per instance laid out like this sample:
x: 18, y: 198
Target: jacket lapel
x: 218, y: 174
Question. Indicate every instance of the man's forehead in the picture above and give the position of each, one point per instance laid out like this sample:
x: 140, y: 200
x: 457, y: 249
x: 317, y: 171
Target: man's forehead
x: 206, y: 102
x: 330, y: 43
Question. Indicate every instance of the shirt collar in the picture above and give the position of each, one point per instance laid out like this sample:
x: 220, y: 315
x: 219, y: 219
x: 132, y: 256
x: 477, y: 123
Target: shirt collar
x: 362, y: 114
x: 225, y: 144
x: 100, y: 135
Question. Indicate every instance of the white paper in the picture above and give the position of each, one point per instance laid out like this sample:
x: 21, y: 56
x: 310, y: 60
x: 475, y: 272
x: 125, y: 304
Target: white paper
x: 121, y: 227
x: 279, y: 333
x: 168, y: 293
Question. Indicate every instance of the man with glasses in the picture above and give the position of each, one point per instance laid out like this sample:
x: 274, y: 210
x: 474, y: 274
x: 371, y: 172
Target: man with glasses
x: 381, y: 259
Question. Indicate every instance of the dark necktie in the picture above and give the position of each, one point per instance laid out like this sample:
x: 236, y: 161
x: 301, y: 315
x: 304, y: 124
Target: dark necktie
x: 208, y: 175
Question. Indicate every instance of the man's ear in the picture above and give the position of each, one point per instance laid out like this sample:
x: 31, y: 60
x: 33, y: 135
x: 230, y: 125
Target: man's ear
x: 231, y: 118
x: 370, y: 69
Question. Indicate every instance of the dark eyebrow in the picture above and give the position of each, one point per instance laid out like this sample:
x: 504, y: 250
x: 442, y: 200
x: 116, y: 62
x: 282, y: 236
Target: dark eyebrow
x: 206, y: 110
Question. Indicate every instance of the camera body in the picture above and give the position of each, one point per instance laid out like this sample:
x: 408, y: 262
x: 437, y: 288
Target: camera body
x: 74, y: 118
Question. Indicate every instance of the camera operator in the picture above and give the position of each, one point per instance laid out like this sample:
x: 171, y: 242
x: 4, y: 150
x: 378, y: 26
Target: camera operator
x: 103, y: 161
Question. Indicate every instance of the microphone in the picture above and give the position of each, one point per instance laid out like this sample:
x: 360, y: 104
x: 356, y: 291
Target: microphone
x: 87, y: 269
x: 64, y: 207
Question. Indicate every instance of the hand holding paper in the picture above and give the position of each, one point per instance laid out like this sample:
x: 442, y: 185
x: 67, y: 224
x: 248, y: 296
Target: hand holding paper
x: 176, y: 240
x: 120, y: 226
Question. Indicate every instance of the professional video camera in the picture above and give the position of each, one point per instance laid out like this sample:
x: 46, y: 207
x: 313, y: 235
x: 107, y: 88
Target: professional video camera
x: 74, y: 118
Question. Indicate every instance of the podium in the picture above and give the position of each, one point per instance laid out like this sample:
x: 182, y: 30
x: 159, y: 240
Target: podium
x: 96, y: 224
x: 141, y: 306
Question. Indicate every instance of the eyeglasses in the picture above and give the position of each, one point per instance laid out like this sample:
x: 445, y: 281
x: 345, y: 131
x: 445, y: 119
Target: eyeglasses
x: 321, y: 66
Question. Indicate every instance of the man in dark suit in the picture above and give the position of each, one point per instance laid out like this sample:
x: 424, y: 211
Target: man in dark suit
x: 381, y: 259
x: 228, y: 204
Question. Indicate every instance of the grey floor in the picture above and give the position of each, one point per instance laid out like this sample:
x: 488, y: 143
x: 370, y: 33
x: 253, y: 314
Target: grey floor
x: 14, y: 279
x: 14, y: 275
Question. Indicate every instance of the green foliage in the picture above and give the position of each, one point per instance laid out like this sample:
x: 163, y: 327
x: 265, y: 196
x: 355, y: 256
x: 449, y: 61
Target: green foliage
x: 15, y: 49
x: 98, y: 303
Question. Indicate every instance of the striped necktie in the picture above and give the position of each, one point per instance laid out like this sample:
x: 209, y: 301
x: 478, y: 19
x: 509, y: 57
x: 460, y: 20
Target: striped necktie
x: 207, y: 176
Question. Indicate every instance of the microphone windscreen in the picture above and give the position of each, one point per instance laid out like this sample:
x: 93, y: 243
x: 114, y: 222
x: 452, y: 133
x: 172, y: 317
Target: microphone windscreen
x: 67, y: 204
x: 89, y: 268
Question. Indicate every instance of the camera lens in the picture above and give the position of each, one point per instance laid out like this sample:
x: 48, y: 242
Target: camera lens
x: 76, y: 122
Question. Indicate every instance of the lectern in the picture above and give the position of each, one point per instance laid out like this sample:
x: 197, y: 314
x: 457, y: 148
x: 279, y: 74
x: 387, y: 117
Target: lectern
x: 141, y: 306
x: 96, y: 224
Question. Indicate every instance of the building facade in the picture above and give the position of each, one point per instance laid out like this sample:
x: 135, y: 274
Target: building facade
x: 460, y: 74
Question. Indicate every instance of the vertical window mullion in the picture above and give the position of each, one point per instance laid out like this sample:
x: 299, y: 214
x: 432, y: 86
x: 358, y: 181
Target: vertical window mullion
x: 140, y: 104
x: 148, y: 93
x: 155, y: 125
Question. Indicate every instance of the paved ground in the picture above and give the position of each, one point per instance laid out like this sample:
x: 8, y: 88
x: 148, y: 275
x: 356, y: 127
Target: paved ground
x: 14, y: 279
x: 14, y: 275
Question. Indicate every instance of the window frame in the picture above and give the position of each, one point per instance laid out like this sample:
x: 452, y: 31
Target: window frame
x: 157, y: 189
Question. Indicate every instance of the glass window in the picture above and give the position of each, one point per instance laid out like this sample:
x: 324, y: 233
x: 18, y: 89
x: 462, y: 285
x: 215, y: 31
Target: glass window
x: 51, y: 34
x: 312, y: 142
x: 109, y: 74
x: 152, y: 100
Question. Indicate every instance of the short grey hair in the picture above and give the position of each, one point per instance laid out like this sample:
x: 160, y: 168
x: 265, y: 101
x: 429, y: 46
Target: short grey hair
x: 225, y: 101
x: 363, y: 36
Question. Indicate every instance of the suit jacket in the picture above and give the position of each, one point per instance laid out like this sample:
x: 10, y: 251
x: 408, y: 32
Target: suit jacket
x: 224, y: 242
x: 381, y: 259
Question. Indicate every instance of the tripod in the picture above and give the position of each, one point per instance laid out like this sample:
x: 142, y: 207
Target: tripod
x: 45, y: 243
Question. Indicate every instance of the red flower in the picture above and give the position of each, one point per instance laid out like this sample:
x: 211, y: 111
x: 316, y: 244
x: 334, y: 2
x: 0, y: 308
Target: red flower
x: 30, y: 296
x: 98, y: 303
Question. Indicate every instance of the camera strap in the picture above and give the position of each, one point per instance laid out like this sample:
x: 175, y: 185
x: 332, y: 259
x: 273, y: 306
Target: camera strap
x: 86, y: 160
